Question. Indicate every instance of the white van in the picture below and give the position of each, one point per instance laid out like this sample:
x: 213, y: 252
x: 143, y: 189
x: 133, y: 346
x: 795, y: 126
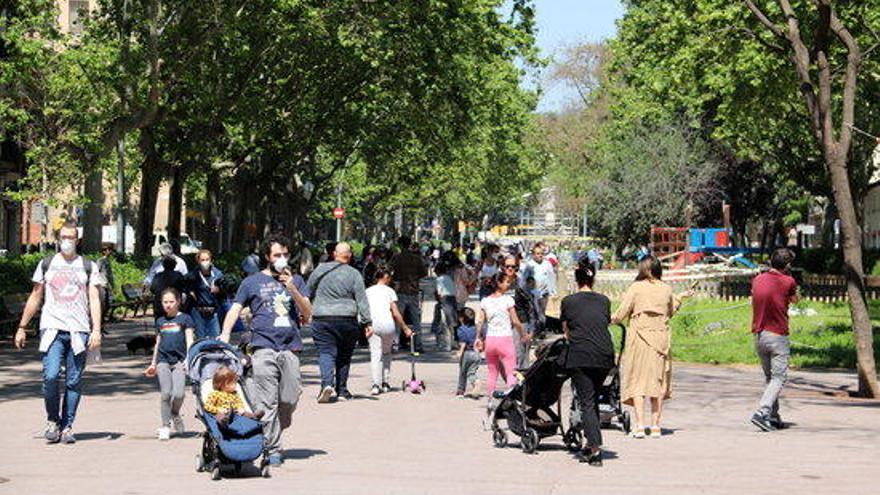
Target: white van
x: 187, y: 245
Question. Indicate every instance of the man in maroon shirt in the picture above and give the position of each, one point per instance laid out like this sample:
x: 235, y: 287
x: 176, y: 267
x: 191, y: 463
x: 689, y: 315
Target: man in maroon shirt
x: 772, y: 292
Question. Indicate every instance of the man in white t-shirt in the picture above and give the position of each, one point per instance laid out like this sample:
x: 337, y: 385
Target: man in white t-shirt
x: 544, y: 274
x: 70, y: 322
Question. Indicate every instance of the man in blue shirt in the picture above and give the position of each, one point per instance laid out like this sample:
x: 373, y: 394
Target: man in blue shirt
x: 277, y: 303
x: 205, y: 295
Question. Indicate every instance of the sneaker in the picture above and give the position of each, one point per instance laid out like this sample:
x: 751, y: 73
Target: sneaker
x: 179, y: 427
x: 762, y: 422
x: 375, y: 390
x: 459, y: 395
x: 386, y: 388
x: 276, y: 460
x: 655, y: 432
x: 164, y: 433
x: 52, y: 433
x: 593, y: 459
x: 345, y: 395
x: 326, y: 395
x: 777, y: 423
x: 67, y: 436
x: 638, y: 432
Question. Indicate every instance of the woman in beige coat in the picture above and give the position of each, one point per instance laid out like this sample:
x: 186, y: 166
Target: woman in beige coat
x: 646, y: 364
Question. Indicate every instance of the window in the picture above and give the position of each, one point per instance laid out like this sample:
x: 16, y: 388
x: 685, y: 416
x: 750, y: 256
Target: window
x: 77, y: 10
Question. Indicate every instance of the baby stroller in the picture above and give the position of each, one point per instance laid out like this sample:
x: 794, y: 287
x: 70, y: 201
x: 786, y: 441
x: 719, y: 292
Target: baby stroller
x: 611, y: 412
x: 528, y: 407
x: 238, y: 442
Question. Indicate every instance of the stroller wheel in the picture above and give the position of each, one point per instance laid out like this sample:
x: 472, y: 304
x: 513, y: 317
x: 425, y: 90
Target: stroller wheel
x: 626, y: 422
x: 574, y: 440
x: 215, y: 473
x: 529, y: 441
x: 499, y: 437
x: 200, y: 463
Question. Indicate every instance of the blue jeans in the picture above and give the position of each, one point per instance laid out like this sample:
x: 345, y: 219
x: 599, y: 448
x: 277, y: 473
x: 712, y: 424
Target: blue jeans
x: 335, y: 339
x: 206, y: 326
x: 61, y: 352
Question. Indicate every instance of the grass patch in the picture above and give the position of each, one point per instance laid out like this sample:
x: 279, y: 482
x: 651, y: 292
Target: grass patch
x: 719, y: 332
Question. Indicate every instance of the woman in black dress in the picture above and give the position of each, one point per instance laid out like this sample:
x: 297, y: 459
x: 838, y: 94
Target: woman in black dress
x: 585, y: 318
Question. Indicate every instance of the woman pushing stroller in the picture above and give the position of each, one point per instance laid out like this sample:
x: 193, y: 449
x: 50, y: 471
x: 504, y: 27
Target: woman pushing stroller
x: 585, y: 317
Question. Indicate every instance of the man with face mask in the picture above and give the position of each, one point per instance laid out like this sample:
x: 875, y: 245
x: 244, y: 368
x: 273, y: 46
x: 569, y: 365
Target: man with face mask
x: 70, y: 321
x: 278, y: 303
x: 205, y: 295
x: 341, y: 311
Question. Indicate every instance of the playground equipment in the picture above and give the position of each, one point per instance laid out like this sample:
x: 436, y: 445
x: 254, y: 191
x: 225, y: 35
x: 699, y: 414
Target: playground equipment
x: 682, y: 247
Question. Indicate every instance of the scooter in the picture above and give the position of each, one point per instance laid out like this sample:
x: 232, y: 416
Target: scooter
x: 413, y: 385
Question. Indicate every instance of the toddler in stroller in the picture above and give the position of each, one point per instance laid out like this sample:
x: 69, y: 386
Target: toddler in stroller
x: 233, y: 433
x: 224, y: 402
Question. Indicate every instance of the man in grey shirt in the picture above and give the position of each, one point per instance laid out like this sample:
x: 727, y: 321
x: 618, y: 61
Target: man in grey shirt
x: 340, y: 309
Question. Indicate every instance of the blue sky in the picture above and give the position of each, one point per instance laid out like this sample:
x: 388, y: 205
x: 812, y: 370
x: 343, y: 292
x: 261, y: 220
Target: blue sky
x: 567, y: 22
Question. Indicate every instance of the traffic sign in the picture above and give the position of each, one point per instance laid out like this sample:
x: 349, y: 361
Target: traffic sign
x: 338, y: 213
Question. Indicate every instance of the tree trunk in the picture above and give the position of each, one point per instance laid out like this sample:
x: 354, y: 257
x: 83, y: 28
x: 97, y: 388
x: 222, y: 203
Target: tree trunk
x: 151, y: 177
x: 212, y: 213
x: 851, y: 242
x: 93, y: 220
x: 175, y: 202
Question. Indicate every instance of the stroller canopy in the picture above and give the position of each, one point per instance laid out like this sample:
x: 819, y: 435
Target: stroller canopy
x: 207, y: 355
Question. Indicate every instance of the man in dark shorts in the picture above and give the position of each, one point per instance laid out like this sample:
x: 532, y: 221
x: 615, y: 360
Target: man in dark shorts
x: 408, y: 269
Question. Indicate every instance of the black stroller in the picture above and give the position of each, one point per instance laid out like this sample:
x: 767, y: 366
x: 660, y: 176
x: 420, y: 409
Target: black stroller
x: 240, y: 441
x: 528, y: 407
x: 611, y: 412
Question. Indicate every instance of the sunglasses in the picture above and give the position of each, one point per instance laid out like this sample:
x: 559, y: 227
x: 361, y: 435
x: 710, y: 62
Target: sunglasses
x: 509, y: 266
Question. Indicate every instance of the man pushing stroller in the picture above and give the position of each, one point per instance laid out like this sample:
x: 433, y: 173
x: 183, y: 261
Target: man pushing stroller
x: 277, y: 304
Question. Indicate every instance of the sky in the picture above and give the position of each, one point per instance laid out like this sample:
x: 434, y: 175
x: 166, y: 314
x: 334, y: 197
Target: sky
x: 566, y: 22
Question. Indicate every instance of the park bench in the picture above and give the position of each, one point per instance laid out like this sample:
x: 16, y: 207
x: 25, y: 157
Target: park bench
x: 136, y: 298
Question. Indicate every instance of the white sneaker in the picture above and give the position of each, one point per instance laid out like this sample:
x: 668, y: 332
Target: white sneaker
x: 375, y: 390
x: 326, y: 395
x: 164, y: 433
x: 52, y: 434
x: 179, y: 427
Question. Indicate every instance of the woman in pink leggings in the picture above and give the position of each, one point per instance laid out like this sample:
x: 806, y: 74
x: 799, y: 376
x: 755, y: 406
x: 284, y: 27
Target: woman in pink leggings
x: 498, y: 313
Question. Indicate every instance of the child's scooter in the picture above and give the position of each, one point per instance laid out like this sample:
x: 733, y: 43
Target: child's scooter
x: 414, y: 385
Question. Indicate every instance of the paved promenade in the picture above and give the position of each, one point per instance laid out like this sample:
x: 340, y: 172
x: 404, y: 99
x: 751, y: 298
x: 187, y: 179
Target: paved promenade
x: 433, y: 443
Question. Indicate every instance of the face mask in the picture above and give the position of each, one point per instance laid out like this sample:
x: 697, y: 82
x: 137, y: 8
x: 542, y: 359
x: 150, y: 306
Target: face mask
x: 68, y: 247
x: 206, y: 265
x: 280, y: 264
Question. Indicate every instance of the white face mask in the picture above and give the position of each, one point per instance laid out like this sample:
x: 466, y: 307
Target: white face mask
x: 68, y: 247
x: 280, y: 264
x: 206, y: 265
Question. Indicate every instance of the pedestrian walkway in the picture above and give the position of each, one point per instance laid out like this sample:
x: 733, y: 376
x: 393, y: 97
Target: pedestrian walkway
x: 433, y: 443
